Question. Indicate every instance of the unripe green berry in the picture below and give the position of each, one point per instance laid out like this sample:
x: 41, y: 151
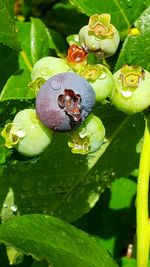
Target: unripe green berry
x: 100, y: 36
x: 88, y: 137
x: 132, y: 89
x: 27, y: 134
x: 100, y: 79
x: 37, y: 137
x: 49, y: 66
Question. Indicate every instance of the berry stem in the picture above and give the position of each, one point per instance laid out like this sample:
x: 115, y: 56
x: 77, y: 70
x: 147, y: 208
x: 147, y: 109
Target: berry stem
x: 26, y: 60
x: 143, y: 226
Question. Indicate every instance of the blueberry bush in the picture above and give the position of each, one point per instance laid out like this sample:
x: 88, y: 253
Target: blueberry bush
x: 74, y: 133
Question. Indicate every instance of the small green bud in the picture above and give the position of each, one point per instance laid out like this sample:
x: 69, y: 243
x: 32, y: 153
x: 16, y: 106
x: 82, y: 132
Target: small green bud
x: 27, y: 134
x: 47, y: 67
x: 88, y: 137
x: 99, y: 36
x: 132, y: 90
x: 100, y: 79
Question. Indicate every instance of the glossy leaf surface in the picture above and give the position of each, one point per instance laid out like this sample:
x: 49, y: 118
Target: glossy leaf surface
x: 57, y: 242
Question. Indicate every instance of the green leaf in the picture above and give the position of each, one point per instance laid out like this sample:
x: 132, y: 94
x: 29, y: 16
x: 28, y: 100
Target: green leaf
x: 114, y: 211
x: 2, y: 155
x: 9, y: 209
x: 57, y: 42
x: 4, y: 152
x: 8, y: 109
x: 39, y: 40
x: 147, y: 3
x: 3, y: 256
x: 40, y: 264
x: 16, y: 87
x: 65, y: 19
x: 126, y: 194
x: 111, y: 161
x: 67, y: 185
x: 24, y: 29
x: 8, y: 30
x: 59, y: 243
x: 34, y: 42
x: 125, y: 262
x: 10, y: 7
x: 135, y: 50
x: 9, y: 63
x: 124, y: 12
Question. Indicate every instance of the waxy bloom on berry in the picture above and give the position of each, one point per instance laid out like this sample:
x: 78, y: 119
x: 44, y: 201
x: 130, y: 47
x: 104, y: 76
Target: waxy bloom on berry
x: 131, y: 93
x: 99, y: 36
x: 64, y: 101
x: 27, y: 134
x: 88, y: 137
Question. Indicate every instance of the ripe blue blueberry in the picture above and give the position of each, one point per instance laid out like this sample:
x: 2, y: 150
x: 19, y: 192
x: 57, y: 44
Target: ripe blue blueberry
x: 64, y: 101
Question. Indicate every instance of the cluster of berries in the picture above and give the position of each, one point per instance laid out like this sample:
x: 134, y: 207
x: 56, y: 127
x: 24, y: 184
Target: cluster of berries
x: 67, y: 89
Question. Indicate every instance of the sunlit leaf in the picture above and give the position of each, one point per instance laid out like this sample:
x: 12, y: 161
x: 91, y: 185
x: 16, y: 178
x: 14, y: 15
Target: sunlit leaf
x: 57, y: 242
x: 8, y: 30
x: 135, y: 50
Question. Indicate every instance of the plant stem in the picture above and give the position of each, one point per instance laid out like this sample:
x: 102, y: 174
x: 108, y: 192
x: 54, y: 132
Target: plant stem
x: 26, y: 60
x: 142, y: 201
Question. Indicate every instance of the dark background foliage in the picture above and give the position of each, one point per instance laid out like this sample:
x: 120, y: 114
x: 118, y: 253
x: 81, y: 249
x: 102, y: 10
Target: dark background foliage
x: 59, y: 183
